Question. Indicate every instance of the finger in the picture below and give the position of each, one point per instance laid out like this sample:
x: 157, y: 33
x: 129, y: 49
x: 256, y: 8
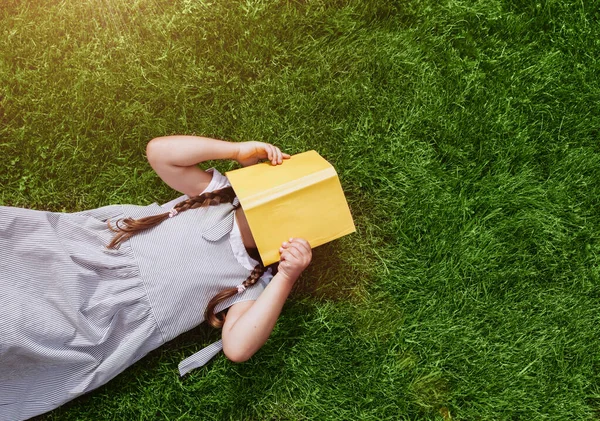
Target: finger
x: 285, y: 256
x: 288, y: 243
x: 285, y: 155
x: 268, y: 151
x: 305, y: 245
x: 284, y: 246
x: 304, y: 248
x: 294, y: 252
x: 284, y: 265
x: 274, y: 155
x: 300, y: 240
x: 279, y: 155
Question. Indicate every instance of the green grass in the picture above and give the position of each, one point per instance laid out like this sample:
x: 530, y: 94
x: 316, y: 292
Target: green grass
x: 465, y: 134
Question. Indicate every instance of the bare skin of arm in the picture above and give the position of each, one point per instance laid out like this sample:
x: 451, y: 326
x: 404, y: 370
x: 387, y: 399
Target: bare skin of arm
x: 175, y: 159
x: 249, y: 324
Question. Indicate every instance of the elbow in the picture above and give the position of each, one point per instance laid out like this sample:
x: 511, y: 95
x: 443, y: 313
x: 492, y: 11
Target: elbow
x: 155, y: 150
x: 237, y: 358
x: 237, y: 354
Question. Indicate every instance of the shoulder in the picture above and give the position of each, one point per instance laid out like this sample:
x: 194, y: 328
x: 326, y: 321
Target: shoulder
x: 218, y: 181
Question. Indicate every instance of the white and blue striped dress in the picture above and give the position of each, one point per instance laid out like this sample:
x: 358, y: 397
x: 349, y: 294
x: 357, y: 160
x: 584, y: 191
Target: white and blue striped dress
x: 74, y: 314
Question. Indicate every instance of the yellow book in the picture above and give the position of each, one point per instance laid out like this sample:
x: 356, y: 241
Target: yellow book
x: 302, y: 198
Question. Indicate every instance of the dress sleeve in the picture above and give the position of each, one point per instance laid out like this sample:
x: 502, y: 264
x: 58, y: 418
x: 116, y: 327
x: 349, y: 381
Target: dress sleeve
x: 217, y: 182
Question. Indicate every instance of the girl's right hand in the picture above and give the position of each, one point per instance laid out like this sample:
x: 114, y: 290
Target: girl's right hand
x: 250, y: 153
x: 296, y: 254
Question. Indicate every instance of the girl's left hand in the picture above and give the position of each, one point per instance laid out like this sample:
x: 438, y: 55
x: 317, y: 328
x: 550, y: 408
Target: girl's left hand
x: 250, y: 153
x: 296, y: 254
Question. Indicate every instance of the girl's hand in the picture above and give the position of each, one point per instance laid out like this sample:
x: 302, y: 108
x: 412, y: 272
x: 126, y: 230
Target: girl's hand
x: 296, y: 254
x: 250, y: 153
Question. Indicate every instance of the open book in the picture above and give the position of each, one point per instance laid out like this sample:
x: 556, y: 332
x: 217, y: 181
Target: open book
x: 302, y: 197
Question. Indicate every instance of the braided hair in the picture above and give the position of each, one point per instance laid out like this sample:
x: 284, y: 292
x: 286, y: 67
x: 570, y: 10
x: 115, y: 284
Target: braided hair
x: 128, y: 227
x: 217, y: 319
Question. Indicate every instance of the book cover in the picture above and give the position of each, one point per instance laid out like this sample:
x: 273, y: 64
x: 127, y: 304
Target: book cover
x: 302, y: 197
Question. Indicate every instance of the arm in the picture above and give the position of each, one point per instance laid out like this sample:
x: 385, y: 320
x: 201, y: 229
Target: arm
x: 175, y: 158
x: 248, y: 324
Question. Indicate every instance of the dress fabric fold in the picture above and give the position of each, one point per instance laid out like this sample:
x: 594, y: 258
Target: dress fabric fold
x: 74, y: 314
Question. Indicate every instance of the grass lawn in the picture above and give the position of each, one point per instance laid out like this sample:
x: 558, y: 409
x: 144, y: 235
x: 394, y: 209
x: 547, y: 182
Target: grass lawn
x: 465, y: 134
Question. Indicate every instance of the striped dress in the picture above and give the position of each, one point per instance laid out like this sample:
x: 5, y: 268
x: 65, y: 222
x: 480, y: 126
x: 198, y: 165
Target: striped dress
x: 74, y: 314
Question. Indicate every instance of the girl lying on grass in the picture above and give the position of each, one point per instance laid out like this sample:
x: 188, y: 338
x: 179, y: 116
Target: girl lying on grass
x: 87, y: 294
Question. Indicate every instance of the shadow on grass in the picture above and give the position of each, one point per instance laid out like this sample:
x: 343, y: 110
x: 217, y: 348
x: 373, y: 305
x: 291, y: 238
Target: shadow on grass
x: 330, y: 277
x: 342, y: 269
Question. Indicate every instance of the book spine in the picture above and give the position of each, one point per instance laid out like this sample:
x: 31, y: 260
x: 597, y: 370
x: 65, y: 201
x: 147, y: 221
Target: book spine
x: 288, y: 188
